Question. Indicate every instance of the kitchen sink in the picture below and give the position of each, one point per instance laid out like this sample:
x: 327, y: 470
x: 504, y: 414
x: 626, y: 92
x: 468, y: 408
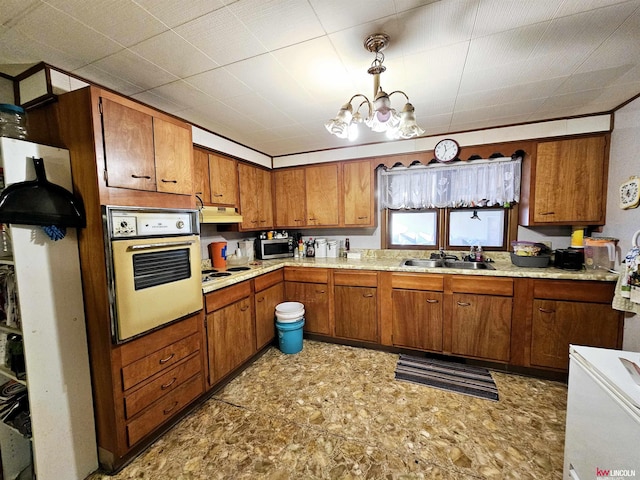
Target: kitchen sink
x: 438, y: 263
x: 421, y: 262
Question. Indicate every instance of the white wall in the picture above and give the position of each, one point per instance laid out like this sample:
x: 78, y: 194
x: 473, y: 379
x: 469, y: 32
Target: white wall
x: 623, y: 163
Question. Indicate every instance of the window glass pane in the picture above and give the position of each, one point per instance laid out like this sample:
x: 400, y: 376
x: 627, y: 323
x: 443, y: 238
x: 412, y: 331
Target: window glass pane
x: 484, y: 227
x: 413, y: 228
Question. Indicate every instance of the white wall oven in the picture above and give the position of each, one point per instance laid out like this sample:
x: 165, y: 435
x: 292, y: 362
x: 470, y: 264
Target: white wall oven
x: 153, y: 262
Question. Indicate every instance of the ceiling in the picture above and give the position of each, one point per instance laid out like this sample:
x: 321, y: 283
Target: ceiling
x: 269, y: 74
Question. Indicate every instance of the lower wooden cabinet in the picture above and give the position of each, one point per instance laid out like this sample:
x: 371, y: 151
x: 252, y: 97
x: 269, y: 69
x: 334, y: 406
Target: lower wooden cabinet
x: 230, y: 329
x: 417, y: 319
x: 481, y: 326
x: 269, y: 293
x: 576, y: 313
x: 310, y: 287
x: 356, y: 305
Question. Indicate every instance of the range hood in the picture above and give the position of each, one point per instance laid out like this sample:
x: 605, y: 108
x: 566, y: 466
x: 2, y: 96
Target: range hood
x: 219, y: 215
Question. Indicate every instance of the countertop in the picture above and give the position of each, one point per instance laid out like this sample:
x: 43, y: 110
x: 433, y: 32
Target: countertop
x: 389, y: 261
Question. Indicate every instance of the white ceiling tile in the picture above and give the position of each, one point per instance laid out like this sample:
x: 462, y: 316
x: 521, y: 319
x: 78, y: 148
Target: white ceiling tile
x: 183, y: 93
x: 162, y: 50
x: 594, y: 79
x: 14, y: 10
x: 278, y: 24
x: 219, y: 83
x: 157, y: 101
x: 222, y: 36
x: 498, y: 15
x: 106, y: 79
x: 135, y: 69
x: 571, y: 7
x: 338, y: 15
x: 173, y: 13
x: 122, y: 21
x: 259, y: 110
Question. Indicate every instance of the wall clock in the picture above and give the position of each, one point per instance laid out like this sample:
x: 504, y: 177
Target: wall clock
x: 446, y: 150
x: 630, y: 193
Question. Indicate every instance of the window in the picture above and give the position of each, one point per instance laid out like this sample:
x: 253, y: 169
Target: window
x: 483, y: 226
x: 418, y: 228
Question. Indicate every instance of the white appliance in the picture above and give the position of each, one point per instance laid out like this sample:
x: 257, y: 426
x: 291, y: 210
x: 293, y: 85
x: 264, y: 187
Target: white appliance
x: 53, y: 327
x: 603, y: 416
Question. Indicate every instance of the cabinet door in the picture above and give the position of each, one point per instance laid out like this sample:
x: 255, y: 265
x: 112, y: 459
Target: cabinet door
x: 231, y: 338
x: 481, y: 326
x: 417, y: 319
x: 128, y: 147
x: 265, y: 198
x: 290, y: 198
x: 266, y: 302
x: 173, y: 155
x: 223, y: 178
x: 356, y: 313
x: 201, y: 176
x: 322, y: 195
x: 247, y: 180
x: 570, y: 181
x: 556, y: 324
x: 315, y: 297
x: 358, y: 194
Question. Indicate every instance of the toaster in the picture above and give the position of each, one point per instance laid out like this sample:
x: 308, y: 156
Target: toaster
x: 569, y: 258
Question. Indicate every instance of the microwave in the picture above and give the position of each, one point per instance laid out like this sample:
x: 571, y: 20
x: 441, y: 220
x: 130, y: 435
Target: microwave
x: 274, y: 248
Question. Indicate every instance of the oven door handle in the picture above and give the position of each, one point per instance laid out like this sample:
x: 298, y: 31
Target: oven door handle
x: 148, y: 246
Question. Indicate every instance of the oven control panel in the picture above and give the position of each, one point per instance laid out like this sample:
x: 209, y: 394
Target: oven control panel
x: 143, y: 223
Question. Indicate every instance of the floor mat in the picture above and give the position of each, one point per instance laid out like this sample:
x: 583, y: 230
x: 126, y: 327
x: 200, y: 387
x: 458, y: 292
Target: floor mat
x: 449, y: 376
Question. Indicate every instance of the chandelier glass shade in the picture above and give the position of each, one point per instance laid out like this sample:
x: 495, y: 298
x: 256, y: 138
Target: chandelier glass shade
x: 381, y: 116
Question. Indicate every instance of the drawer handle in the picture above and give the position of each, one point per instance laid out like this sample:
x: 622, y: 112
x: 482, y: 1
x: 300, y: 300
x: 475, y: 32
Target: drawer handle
x: 146, y: 177
x: 362, y: 218
x: 260, y: 300
x: 167, y: 385
x: 263, y: 221
x: 165, y: 360
x: 312, y: 219
x: 546, y: 310
x: 168, y: 181
x: 254, y: 221
x: 244, y: 309
x: 431, y: 300
x: 367, y: 295
x: 547, y: 213
x: 166, y: 411
x: 463, y: 304
x: 218, y: 194
x: 319, y: 291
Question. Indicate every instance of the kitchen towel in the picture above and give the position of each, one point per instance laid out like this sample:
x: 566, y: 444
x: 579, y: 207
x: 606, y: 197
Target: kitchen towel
x: 449, y: 376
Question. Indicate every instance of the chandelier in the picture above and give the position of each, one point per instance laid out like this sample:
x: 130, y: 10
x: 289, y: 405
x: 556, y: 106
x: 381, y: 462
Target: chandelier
x: 380, y: 117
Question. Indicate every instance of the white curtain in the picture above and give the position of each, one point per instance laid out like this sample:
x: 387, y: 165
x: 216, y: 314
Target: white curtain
x: 475, y: 183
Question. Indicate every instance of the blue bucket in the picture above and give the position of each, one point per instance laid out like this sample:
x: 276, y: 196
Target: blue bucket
x: 290, y: 336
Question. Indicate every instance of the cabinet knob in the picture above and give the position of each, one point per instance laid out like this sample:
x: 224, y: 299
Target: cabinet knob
x: 167, y: 385
x: 164, y: 180
x: 431, y: 300
x: 260, y: 299
x: 463, y: 304
x: 165, y: 360
x: 319, y: 291
x: 546, y: 310
x: 168, y: 410
x: 146, y: 177
x: 245, y: 308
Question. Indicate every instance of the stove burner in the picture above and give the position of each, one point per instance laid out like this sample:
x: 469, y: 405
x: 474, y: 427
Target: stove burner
x: 237, y: 269
x: 219, y: 274
x: 209, y: 270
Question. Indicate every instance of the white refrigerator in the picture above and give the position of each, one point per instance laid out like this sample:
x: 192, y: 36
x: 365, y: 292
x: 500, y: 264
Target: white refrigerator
x: 602, y: 437
x: 47, y: 275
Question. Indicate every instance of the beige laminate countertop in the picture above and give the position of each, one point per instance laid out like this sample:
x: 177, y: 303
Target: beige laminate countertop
x: 389, y: 261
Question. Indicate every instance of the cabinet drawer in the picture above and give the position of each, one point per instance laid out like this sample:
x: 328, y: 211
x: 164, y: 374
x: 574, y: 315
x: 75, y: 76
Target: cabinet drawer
x: 169, y: 381
x: 164, y: 409
x: 482, y: 286
x: 268, y: 279
x: 158, y: 361
x: 309, y: 275
x: 221, y: 298
x: 355, y: 279
x: 418, y: 281
x: 139, y: 348
x: 579, y: 291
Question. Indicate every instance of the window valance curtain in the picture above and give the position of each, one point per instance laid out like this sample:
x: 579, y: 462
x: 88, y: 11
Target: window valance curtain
x: 465, y: 184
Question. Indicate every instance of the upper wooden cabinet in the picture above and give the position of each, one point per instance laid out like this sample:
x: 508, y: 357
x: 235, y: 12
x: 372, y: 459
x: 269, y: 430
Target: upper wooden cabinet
x: 330, y: 195
x: 290, y: 198
x: 201, y: 175
x: 359, y: 194
x: 256, y: 199
x: 125, y: 153
x: 143, y: 151
x: 223, y: 180
x: 565, y: 182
